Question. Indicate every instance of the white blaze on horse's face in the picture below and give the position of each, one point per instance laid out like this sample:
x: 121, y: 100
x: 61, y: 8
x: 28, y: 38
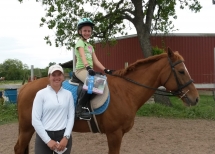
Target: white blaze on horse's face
x: 186, y: 70
x: 187, y: 90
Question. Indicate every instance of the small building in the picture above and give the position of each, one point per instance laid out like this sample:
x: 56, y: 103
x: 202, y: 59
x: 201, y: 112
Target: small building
x: 68, y: 64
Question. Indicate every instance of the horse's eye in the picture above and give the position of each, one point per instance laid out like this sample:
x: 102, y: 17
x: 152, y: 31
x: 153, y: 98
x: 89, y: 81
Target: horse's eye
x: 181, y: 72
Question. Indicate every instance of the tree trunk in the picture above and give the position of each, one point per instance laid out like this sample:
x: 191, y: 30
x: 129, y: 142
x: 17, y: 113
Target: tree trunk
x: 160, y: 98
x: 143, y: 35
x: 144, y: 39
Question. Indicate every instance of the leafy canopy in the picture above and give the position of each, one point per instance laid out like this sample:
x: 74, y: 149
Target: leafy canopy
x: 13, y: 69
x: 111, y: 17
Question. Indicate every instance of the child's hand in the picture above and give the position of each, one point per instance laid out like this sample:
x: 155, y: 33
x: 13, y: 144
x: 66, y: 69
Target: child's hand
x: 90, y: 71
x: 107, y: 71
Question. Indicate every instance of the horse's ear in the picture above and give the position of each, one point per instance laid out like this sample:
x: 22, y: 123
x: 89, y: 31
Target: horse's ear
x: 170, y: 52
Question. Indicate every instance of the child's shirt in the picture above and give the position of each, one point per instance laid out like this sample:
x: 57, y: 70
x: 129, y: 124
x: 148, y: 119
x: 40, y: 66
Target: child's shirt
x: 88, y: 50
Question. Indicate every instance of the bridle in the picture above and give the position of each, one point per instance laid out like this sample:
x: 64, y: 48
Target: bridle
x: 177, y: 92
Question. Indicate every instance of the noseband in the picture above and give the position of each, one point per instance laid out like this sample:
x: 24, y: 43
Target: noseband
x: 179, y: 85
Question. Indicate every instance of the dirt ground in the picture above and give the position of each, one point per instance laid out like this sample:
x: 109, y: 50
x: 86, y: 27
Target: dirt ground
x: 148, y: 136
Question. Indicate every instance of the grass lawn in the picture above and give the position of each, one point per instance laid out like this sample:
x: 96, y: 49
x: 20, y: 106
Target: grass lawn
x: 10, y: 82
x: 205, y: 109
x: 7, y: 83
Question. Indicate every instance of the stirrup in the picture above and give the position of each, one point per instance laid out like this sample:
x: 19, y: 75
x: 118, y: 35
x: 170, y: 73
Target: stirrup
x: 85, y: 115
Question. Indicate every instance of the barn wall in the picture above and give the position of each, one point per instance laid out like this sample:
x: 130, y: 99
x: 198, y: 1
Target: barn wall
x: 197, y: 50
x: 114, y: 57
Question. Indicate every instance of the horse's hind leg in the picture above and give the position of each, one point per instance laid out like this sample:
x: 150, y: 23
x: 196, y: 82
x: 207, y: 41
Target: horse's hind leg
x: 23, y: 141
x: 114, y: 141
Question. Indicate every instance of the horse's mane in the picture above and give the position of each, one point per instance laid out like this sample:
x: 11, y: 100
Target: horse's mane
x: 148, y: 60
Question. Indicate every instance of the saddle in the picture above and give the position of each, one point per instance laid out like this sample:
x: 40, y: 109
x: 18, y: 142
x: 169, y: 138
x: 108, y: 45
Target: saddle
x: 93, y: 107
x: 84, y: 98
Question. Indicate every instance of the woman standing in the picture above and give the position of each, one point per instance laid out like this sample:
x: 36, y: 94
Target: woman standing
x: 53, y: 115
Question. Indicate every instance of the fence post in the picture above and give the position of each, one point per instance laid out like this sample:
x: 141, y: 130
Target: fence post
x: 32, y: 72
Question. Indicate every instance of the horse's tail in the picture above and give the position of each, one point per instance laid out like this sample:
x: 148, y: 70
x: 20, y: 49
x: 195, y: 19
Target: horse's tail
x: 26, y: 150
x: 17, y: 147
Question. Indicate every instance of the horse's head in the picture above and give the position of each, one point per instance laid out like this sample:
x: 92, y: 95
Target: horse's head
x: 177, y: 79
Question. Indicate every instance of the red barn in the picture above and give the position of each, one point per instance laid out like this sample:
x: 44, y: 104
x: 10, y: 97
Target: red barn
x: 198, y: 51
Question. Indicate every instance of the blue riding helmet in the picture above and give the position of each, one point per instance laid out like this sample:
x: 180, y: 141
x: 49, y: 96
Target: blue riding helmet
x: 85, y: 22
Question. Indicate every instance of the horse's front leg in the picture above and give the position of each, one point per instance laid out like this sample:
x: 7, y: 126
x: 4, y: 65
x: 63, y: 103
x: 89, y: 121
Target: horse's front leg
x: 114, y: 141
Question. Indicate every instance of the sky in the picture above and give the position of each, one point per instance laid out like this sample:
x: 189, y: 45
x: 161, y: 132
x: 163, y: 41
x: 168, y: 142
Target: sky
x: 21, y: 37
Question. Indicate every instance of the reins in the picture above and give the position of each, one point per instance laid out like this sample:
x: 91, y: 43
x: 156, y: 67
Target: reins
x: 142, y: 85
x: 177, y: 92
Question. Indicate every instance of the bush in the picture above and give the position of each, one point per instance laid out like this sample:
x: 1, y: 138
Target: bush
x: 157, y: 51
x: 8, y: 112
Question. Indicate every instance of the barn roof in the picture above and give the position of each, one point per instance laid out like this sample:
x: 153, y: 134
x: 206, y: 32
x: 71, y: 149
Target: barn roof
x: 68, y: 64
x: 170, y: 34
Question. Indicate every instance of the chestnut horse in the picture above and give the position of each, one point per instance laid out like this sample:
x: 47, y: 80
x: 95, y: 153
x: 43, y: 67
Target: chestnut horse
x: 129, y: 89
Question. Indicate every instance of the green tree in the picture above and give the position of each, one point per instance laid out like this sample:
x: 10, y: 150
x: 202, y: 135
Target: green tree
x: 51, y: 63
x: 13, y: 69
x: 1, y: 70
x: 44, y: 72
x: 110, y: 16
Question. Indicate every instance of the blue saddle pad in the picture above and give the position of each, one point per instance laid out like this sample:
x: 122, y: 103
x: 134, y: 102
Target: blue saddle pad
x: 73, y: 90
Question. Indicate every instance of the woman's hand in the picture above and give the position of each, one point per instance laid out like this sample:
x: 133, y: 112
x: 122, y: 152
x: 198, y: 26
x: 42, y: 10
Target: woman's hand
x: 62, y: 145
x: 52, y: 145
